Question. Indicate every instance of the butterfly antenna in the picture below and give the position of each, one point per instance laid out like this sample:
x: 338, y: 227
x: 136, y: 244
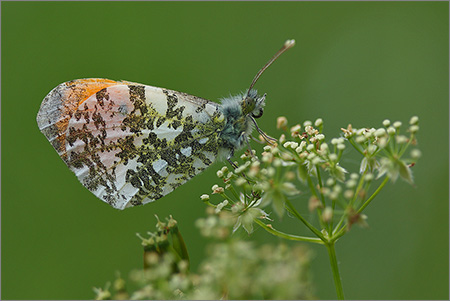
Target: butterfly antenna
x: 288, y: 44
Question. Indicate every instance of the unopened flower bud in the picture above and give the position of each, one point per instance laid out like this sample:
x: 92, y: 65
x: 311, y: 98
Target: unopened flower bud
x: 414, y: 120
x: 281, y: 122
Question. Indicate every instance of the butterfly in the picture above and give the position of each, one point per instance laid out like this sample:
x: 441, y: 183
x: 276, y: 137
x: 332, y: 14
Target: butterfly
x: 131, y: 144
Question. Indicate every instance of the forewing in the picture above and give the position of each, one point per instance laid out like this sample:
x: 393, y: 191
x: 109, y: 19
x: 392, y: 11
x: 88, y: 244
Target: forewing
x: 132, y: 144
x: 60, y: 104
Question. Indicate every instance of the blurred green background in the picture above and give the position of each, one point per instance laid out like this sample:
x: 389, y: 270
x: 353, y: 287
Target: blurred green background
x: 354, y: 62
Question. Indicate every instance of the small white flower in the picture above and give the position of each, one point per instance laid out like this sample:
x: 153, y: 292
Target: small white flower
x: 416, y: 154
x: 270, y: 172
x: 397, y: 124
x: 414, y: 129
x: 350, y: 184
x: 368, y: 177
x: 391, y: 130
x: 320, y: 136
x: 307, y: 123
x: 316, y: 161
x: 360, y: 131
x: 274, y: 150
x: 341, y: 146
x: 286, y: 157
x: 400, y: 139
x: 294, y: 145
x: 281, y: 122
x: 371, y: 149
x: 382, y: 142
x: 219, y: 173
x: 369, y: 133
x: 220, y: 206
x: 386, y: 122
x: 295, y: 128
x: 204, y: 197
x: 360, y: 139
x: 380, y: 132
x: 327, y: 214
x: 310, y: 130
x: 333, y: 157
x: 256, y: 164
x: 348, y: 194
x: 330, y: 182
x: 414, y: 120
x: 289, y: 188
x: 337, y: 188
x: 311, y: 156
x: 276, y: 162
x: 310, y: 147
x: 318, y: 122
x: 240, y: 181
x: 333, y: 195
x: 217, y: 189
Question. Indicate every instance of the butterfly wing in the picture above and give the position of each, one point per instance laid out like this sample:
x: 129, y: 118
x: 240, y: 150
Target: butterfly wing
x: 130, y: 143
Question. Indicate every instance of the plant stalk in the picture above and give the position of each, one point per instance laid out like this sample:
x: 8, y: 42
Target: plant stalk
x: 335, y: 270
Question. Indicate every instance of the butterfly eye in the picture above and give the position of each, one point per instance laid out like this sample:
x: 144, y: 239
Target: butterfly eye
x: 258, y: 113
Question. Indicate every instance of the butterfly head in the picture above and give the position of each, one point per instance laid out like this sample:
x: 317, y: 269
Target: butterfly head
x: 252, y: 104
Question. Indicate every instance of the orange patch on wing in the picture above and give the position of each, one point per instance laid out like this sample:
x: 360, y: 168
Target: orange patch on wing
x: 75, y: 93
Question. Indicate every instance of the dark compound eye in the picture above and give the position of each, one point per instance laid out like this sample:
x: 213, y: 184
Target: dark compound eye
x: 258, y: 113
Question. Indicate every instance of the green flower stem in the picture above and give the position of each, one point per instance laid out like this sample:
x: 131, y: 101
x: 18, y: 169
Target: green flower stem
x: 410, y: 140
x: 233, y: 191
x: 319, y: 211
x: 373, y: 195
x: 311, y: 227
x: 226, y: 197
x: 319, y: 179
x: 335, y: 270
x: 338, y: 226
x: 313, y: 189
x: 356, y: 146
x: 209, y: 204
x: 339, y: 233
x: 287, y: 236
x: 358, y: 189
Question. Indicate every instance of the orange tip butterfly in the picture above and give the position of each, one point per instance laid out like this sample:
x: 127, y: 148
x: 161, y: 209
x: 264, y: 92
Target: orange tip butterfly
x: 131, y: 144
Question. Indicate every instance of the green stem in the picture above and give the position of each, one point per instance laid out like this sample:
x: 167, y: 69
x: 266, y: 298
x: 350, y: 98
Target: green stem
x: 287, y: 236
x: 319, y: 179
x: 311, y: 227
x: 373, y: 195
x: 335, y: 270
x: 355, y: 146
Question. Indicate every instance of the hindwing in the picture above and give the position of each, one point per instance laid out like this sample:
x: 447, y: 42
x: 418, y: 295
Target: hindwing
x: 129, y: 143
